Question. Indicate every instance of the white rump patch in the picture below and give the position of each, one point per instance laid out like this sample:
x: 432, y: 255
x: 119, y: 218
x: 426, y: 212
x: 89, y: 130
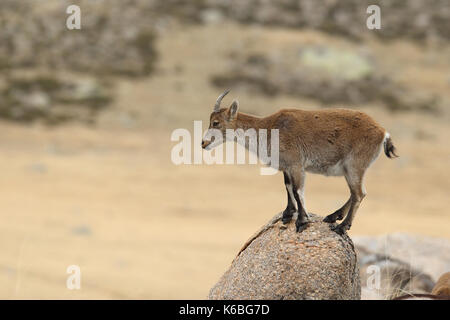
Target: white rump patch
x: 386, y: 136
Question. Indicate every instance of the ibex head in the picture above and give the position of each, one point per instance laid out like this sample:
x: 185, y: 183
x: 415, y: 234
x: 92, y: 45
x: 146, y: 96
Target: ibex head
x: 221, y: 119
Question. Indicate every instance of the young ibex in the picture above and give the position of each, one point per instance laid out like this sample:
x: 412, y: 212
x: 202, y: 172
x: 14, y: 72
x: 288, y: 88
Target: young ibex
x: 332, y: 142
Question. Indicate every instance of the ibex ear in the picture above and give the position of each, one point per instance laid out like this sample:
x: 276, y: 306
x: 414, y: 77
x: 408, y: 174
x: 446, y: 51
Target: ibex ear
x: 233, y: 109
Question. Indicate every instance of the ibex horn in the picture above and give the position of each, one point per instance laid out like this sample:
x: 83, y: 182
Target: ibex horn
x: 219, y: 100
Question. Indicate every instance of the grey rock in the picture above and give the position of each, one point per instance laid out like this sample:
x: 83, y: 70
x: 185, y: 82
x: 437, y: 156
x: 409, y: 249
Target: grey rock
x: 280, y: 263
x: 386, y: 277
x: 38, y: 167
x: 428, y: 254
x: 415, y: 19
x: 52, y: 98
x: 211, y: 16
x: 82, y: 230
x: 328, y: 74
x: 116, y: 37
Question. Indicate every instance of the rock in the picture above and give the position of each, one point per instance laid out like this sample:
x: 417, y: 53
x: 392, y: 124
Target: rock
x: 82, y: 230
x: 116, y: 38
x: 415, y: 19
x: 429, y: 255
x: 211, y: 16
x: 279, y: 263
x: 52, y: 98
x: 38, y: 167
x: 328, y: 74
x: 408, y: 264
x: 396, y: 277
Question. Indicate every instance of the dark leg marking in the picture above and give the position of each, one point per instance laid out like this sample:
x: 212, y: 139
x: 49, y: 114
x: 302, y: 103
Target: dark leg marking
x: 288, y: 213
x: 357, y: 194
x: 347, y: 223
x: 302, y: 219
x: 338, y: 214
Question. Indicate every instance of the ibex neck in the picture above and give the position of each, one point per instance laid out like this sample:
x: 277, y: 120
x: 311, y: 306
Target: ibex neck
x: 246, y: 121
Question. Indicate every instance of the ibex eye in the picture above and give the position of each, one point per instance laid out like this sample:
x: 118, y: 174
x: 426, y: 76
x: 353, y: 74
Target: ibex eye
x: 215, y: 123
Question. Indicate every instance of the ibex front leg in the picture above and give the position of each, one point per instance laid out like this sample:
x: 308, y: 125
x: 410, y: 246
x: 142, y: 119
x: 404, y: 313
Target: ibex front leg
x: 288, y: 213
x: 294, y: 184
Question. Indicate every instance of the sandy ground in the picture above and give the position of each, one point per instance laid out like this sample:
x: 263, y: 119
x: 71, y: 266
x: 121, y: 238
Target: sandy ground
x: 110, y: 200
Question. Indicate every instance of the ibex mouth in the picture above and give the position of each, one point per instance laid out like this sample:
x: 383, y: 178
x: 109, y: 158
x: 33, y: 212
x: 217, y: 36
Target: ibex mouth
x: 205, y: 143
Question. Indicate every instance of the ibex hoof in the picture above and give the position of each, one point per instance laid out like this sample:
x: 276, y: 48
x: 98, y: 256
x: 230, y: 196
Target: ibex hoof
x: 287, y: 217
x: 340, y: 229
x: 301, y: 226
x: 330, y: 219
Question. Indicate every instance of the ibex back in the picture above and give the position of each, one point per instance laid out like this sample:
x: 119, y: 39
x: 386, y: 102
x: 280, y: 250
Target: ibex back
x: 331, y: 142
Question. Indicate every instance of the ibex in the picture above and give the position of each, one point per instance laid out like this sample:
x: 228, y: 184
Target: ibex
x: 331, y: 142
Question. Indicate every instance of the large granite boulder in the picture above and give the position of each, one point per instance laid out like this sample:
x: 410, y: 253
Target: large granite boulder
x: 280, y: 263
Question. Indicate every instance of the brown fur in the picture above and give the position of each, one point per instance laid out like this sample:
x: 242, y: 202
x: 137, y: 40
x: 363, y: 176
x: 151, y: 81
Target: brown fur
x: 330, y: 142
x: 442, y: 287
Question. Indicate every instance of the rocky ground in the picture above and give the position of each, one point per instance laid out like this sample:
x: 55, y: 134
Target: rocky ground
x: 52, y: 74
x: 408, y: 263
x: 55, y: 74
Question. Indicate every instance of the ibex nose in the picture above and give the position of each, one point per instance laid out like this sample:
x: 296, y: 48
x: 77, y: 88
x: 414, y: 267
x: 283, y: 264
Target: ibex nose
x: 206, y: 143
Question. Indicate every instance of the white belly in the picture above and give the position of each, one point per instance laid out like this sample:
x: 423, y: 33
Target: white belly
x: 336, y: 169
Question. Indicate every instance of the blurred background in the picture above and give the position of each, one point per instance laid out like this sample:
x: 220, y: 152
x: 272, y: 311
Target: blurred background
x: 86, y: 118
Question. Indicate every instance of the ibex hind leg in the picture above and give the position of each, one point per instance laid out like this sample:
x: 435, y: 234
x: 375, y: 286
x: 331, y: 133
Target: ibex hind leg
x: 347, y: 223
x: 338, y: 214
x: 355, y: 182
